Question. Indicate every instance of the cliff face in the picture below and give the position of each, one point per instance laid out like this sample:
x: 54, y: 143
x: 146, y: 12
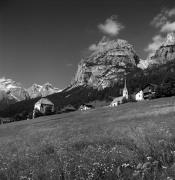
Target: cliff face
x: 166, y: 52
x: 107, y: 64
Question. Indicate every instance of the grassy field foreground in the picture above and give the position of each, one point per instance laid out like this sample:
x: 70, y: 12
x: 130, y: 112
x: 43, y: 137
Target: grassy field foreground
x: 133, y: 141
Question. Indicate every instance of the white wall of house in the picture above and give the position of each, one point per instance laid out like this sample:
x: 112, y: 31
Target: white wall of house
x: 84, y: 108
x: 139, y: 96
x: 114, y: 104
x: 37, y: 106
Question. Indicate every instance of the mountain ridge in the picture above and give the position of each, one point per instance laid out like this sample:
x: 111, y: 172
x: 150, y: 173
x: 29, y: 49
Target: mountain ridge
x: 101, y: 75
x: 12, y: 91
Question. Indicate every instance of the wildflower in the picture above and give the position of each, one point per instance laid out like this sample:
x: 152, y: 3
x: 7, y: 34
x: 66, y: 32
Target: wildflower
x: 125, y: 165
x: 149, y: 158
x: 169, y: 178
x: 164, y: 167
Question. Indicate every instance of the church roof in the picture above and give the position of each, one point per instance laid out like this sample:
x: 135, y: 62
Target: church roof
x: 117, y: 99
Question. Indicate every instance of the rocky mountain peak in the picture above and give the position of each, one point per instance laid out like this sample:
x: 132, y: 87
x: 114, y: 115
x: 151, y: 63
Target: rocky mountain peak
x: 107, y: 64
x: 165, y: 53
x: 42, y: 90
x: 36, y: 86
x: 7, y: 84
x: 48, y: 86
x: 11, y: 92
x: 170, y: 40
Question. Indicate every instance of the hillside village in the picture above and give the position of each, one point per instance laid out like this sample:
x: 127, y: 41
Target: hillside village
x: 87, y: 90
x: 114, y: 74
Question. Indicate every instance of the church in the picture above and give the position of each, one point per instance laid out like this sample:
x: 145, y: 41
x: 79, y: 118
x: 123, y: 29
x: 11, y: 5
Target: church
x: 119, y: 100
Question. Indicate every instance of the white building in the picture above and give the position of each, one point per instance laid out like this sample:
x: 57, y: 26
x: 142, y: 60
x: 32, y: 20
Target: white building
x: 139, y: 96
x: 85, y: 107
x: 119, y: 100
x: 43, y: 107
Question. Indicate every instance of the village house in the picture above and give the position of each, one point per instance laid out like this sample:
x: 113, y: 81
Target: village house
x: 149, y: 91
x: 139, y: 96
x: 119, y: 100
x: 85, y: 107
x: 43, y: 107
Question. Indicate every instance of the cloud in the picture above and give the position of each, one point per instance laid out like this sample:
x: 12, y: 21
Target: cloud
x: 165, y: 23
x: 93, y: 47
x: 171, y: 12
x: 166, y: 16
x: 159, y: 20
x: 155, y: 44
x: 111, y: 26
x: 168, y: 27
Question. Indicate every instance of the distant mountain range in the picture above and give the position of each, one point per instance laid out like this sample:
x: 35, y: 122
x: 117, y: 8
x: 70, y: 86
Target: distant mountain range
x: 41, y: 91
x: 12, y: 92
x: 98, y: 78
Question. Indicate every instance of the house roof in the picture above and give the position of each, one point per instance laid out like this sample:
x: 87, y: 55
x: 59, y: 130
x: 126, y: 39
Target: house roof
x: 137, y: 91
x: 117, y: 99
x: 44, y: 101
x: 150, y: 84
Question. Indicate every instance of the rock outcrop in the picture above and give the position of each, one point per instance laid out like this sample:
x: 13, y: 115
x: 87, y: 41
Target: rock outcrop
x: 107, y: 64
x: 41, y: 91
x: 165, y: 53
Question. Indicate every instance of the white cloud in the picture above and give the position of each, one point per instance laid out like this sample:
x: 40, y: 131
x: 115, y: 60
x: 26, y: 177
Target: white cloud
x: 155, y: 44
x: 166, y: 16
x: 159, y: 20
x: 168, y: 27
x: 111, y: 26
x: 165, y: 23
x: 93, y: 47
x: 171, y: 12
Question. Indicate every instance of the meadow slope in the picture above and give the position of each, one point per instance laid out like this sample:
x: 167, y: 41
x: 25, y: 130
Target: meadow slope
x: 132, y: 141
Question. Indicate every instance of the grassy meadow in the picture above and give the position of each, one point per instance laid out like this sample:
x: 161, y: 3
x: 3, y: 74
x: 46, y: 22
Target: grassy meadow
x: 135, y: 141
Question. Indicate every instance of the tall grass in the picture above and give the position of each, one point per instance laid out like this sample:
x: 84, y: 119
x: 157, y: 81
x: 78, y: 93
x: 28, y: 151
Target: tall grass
x: 131, y: 142
x: 135, y: 155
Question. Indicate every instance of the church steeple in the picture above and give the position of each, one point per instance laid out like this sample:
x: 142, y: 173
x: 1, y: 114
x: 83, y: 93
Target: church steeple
x: 125, y: 90
x: 125, y: 84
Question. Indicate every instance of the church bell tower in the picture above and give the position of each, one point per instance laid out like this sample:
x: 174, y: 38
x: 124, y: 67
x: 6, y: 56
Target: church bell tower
x: 125, y: 91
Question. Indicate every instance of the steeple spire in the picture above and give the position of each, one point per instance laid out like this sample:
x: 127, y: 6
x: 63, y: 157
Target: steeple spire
x: 125, y: 90
x: 125, y: 84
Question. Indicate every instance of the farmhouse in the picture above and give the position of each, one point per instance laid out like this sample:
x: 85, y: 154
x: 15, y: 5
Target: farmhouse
x: 139, y: 96
x: 43, y: 107
x: 117, y: 101
x: 85, y: 107
x: 149, y: 91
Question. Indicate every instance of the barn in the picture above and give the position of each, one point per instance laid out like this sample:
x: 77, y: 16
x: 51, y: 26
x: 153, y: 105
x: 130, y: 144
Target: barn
x: 149, y: 91
x: 43, y: 107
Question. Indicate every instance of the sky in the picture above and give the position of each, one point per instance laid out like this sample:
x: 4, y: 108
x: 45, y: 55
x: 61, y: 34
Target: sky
x: 44, y: 40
